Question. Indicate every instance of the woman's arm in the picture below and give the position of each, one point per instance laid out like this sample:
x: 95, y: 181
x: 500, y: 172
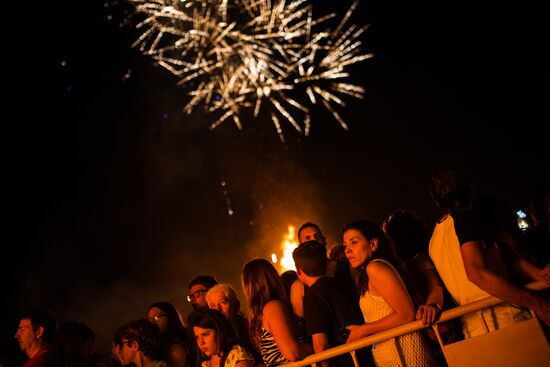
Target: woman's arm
x: 177, y: 355
x: 320, y: 343
x: 385, y: 282
x: 244, y: 363
x: 431, y: 311
x: 277, y: 320
x: 522, y: 266
x: 297, y: 297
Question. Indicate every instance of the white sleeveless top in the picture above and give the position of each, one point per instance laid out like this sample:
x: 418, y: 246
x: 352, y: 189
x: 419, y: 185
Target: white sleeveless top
x: 406, y: 350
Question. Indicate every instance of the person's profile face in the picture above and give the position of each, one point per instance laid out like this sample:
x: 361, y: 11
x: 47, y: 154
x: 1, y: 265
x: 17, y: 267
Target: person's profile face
x: 25, y: 335
x: 115, y: 352
x: 128, y: 352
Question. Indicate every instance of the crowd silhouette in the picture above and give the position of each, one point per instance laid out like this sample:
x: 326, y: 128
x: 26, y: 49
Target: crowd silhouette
x: 376, y: 277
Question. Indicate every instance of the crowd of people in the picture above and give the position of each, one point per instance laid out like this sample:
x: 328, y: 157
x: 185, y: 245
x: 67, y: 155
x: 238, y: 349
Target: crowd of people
x: 378, y: 276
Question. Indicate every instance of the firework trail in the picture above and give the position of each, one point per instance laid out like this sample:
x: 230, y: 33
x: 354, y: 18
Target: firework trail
x: 236, y: 57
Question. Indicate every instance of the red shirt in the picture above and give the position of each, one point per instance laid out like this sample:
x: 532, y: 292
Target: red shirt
x: 38, y: 360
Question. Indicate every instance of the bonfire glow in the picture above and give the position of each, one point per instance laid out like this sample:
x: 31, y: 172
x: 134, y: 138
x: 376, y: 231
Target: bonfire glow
x: 288, y: 245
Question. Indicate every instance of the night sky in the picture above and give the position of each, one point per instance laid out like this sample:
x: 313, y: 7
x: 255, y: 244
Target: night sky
x: 115, y: 198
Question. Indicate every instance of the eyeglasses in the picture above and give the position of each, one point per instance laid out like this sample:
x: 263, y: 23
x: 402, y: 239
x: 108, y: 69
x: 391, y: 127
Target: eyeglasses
x: 157, y: 317
x: 196, y: 294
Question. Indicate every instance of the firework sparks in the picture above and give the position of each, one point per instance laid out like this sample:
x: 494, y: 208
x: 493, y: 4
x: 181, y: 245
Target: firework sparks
x: 223, y: 185
x: 238, y: 57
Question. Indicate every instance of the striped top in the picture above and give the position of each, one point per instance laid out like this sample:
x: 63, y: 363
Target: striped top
x: 271, y: 355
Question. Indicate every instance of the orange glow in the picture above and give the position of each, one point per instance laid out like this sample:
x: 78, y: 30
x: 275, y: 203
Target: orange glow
x: 288, y: 245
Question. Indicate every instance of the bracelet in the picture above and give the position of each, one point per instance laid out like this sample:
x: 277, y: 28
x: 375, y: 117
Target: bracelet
x: 435, y: 305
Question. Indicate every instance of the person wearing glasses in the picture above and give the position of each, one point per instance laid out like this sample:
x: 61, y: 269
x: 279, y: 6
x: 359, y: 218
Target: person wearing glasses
x: 139, y: 344
x: 176, y: 348
x: 198, y: 287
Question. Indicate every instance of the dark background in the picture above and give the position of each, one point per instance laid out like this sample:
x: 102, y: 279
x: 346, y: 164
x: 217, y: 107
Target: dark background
x: 114, y: 197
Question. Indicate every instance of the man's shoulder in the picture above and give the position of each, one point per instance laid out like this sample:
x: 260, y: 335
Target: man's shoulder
x: 324, y: 291
x: 470, y: 226
x: 465, y: 216
x: 323, y: 284
x: 38, y: 360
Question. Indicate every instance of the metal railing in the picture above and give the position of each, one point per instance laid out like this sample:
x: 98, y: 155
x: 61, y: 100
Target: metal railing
x: 455, y: 312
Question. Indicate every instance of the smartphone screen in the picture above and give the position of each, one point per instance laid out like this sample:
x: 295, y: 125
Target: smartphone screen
x: 523, y: 222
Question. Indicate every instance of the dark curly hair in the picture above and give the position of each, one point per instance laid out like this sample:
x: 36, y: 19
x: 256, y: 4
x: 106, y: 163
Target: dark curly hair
x: 145, y: 333
x: 451, y: 189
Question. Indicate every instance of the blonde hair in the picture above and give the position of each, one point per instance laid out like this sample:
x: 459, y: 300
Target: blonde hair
x: 229, y: 293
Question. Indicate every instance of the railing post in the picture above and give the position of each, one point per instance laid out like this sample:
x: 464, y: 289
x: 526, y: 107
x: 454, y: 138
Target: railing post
x: 435, y: 327
x: 354, y: 357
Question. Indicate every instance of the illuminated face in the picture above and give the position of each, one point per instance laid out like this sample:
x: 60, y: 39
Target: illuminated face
x: 159, y: 317
x: 217, y: 300
x: 310, y: 234
x: 197, y: 297
x: 26, y: 337
x: 128, y: 352
x: 207, y: 340
x: 115, y: 352
x: 358, y: 248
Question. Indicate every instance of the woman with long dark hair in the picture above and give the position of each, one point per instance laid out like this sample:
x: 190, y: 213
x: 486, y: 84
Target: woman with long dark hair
x: 216, y: 341
x: 385, y: 301
x: 72, y: 346
x: 175, y: 346
x: 269, y: 314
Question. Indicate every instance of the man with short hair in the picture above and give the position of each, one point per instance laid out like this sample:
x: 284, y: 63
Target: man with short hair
x: 327, y: 311
x: 139, y: 344
x: 337, y: 268
x: 34, y: 336
x: 198, y: 287
x: 310, y: 231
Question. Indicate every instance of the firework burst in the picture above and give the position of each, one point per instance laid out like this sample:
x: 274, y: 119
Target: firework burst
x: 240, y: 56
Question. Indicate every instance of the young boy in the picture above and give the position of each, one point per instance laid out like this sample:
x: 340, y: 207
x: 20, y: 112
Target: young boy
x: 326, y: 310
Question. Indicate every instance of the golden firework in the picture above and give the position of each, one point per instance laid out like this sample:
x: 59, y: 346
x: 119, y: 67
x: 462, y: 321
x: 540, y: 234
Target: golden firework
x: 235, y: 57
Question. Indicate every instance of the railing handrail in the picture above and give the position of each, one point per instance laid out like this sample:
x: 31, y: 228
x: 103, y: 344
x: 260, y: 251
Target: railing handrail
x: 406, y: 328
